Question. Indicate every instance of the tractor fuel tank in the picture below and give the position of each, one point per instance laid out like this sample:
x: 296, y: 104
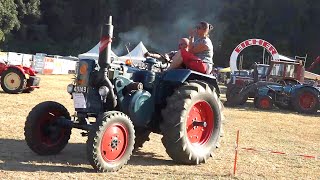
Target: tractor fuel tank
x: 145, y: 77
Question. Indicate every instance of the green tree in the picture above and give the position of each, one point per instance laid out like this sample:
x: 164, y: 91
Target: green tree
x: 28, y: 15
x: 8, y: 18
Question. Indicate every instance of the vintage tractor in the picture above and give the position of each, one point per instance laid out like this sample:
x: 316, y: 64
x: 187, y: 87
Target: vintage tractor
x: 277, y: 73
x: 119, y: 106
x: 18, y: 79
x: 301, y: 98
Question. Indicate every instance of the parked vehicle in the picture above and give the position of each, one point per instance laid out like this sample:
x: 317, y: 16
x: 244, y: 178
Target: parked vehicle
x: 17, y: 79
x: 301, y: 98
x: 278, y: 72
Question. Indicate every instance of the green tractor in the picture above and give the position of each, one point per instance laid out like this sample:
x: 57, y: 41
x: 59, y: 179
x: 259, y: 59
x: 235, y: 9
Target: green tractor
x: 127, y: 104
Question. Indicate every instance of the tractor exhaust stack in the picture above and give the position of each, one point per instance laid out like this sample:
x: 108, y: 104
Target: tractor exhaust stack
x: 105, y: 44
x: 105, y: 58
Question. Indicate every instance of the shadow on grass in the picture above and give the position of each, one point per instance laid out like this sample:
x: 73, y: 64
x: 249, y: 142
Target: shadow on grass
x: 250, y: 106
x: 149, y: 159
x: 2, y: 92
x: 15, y: 155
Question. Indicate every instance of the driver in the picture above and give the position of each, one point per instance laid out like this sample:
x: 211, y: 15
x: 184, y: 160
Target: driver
x: 171, y: 56
x: 200, y: 52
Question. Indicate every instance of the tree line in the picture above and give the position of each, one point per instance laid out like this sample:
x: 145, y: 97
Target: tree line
x: 71, y: 27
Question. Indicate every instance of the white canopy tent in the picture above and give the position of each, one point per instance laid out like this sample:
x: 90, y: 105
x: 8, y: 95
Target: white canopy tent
x: 94, y: 54
x: 136, y: 55
x: 285, y: 58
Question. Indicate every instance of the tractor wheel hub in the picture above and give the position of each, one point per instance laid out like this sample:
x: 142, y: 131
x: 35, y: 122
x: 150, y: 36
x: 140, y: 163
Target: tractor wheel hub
x: 114, y: 142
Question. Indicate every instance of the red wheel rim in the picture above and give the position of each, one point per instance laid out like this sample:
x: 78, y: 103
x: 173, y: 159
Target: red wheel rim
x: 307, y: 100
x: 265, y: 103
x: 200, y: 123
x: 114, y: 142
x: 50, y: 134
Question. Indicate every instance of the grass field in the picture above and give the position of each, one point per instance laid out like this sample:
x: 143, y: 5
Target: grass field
x: 277, y: 130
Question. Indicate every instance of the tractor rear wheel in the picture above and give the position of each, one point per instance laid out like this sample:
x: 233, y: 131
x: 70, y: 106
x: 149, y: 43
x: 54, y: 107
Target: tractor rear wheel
x: 191, y: 123
x: 110, y: 142
x: 41, y: 131
x: 263, y: 102
x: 13, y: 81
x: 306, y: 100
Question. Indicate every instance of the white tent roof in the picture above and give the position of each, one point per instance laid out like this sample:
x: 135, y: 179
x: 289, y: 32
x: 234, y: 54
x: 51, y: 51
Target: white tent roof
x: 282, y: 57
x: 137, y: 54
x: 94, y: 53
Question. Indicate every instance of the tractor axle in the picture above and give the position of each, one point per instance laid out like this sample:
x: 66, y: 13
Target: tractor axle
x: 64, y: 122
x: 199, y: 123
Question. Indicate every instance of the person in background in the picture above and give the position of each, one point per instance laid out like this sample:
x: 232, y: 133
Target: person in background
x: 200, y: 51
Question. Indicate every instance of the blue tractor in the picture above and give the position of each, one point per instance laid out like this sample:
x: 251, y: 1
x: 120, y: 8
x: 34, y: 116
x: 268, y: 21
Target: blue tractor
x: 298, y: 97
x: 118, y: 106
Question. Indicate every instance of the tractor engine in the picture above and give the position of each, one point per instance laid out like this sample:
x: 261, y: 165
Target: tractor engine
x: 132, y: 87
x: 87, y: 98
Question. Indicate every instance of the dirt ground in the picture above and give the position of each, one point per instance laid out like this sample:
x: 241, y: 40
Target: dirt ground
x: 277, y: 130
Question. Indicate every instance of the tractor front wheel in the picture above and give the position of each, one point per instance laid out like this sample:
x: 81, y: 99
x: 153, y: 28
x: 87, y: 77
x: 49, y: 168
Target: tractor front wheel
x: 42, y: 133
x: 263, y: 102
x: 13, y: 81
x: 191, y: 123
x: 110, y: 142
x: 234, y: 97
x: 306, y: 100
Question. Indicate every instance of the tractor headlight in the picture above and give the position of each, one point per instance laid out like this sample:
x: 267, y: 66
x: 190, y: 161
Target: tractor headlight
x: 70, y: 88
x: 103, y: 91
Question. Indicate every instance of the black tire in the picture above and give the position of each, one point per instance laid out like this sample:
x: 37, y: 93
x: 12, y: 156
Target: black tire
x: 301, y: 105
x: 17, y: 75
x: 42, y: 134
x: 263, y: 102
x: 120, y: 144
x: 180, y: 105
x: 142, y: 135
x: 233, y: 96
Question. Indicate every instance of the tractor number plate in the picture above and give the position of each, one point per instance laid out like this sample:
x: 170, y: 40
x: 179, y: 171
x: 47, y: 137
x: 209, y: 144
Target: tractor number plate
x: 79, y: 101
x: 80, y: 89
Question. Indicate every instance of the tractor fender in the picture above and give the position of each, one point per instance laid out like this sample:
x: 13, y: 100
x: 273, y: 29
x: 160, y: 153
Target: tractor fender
x: 29, y: 71
x: 21, y: 69
x: 183, y: 75
x: 296, y: 88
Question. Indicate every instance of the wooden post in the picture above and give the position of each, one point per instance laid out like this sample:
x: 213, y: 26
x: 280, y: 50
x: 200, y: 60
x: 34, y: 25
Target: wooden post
x: 236, y: 154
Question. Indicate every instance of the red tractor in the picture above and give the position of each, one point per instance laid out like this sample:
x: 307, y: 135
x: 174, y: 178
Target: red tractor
x: 17, y: 79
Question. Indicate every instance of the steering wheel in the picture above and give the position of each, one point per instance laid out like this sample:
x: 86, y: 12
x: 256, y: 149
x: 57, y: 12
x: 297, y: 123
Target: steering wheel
x: 165, y: 61
x: 290, y: 82
x: 282, y: 82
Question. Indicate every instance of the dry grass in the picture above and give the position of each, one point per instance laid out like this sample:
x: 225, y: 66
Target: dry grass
x: 283, y: 131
